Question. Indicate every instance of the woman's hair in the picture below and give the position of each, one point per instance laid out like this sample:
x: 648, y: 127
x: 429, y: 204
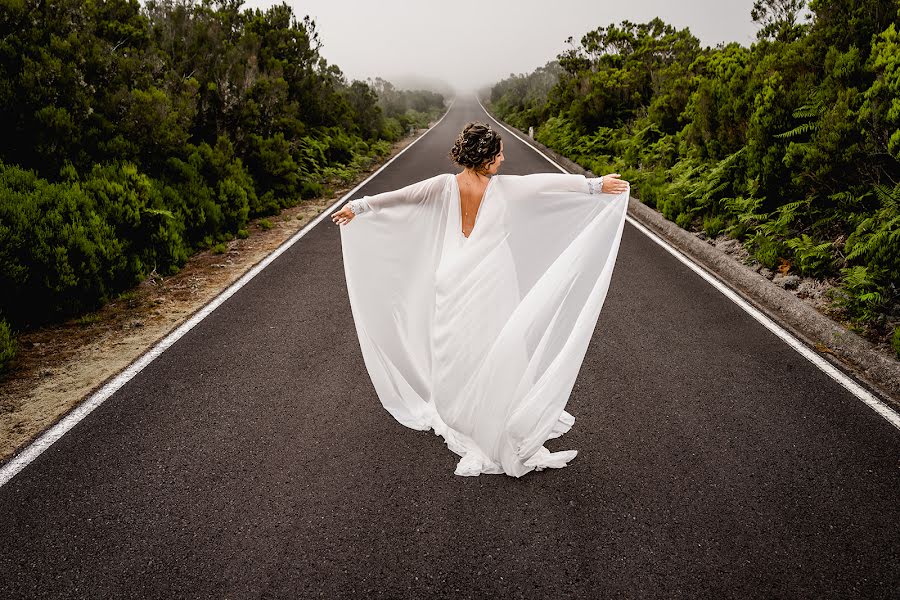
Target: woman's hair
x: 476, y: 146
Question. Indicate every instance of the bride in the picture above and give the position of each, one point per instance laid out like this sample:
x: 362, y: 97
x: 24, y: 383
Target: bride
x: 475, y: 295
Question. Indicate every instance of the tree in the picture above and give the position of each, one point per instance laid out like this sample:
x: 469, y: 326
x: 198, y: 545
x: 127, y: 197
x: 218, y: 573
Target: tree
x: 780, y: 20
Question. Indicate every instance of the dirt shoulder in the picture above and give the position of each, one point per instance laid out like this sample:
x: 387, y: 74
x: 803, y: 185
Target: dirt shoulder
x: 59, y: 366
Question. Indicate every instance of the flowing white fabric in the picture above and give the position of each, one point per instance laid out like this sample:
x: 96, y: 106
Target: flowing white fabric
x: 482, y: 338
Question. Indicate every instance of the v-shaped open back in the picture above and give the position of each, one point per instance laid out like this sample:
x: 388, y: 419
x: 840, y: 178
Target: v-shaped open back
x: 477, y: 211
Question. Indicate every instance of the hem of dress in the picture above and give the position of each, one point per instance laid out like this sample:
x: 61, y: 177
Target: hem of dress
x: 474, y: 461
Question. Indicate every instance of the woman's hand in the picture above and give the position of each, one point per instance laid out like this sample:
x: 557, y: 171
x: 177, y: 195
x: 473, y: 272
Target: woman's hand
x: 613, y: 185
x: 343, y: 216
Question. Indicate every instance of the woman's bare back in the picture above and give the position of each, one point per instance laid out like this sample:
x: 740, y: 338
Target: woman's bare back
x: 470, y: 197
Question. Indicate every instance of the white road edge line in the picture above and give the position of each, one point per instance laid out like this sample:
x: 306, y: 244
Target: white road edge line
x: 849, y: 384
x: 56, y: 431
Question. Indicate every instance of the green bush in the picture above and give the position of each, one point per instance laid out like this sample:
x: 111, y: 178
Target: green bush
x: 132, y: 203
x: 210, y: 191
x: 713, y: 225
x: 684, y: 220
x: 381, y: 148
x: 766, y: 250
x: 311, y: 189
x: 59, y: 255
x: 274, y: 167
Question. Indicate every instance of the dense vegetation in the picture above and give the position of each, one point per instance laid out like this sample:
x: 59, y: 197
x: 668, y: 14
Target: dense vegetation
x: 134, y: 136
x: 791, y: 146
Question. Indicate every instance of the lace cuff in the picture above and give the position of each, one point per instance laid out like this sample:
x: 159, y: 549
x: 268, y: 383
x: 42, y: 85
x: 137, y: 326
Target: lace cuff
x: 595, y: 185
x: 358, y: 206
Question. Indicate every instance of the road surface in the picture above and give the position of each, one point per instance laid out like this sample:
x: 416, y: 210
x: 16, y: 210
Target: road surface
x: 252, y: 459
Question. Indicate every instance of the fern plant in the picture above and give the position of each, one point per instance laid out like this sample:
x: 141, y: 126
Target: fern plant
x: 876, y: 239
x: 786, y: 214
x: 813, y: 110
x: 765, y: 249
x: 861, y: 293
x: 810, y: 258
x: 745, y: 216
x: 719, y: 181
x: 713, y: 225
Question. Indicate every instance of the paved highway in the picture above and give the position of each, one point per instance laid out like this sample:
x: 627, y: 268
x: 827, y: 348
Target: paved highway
x: 252, y: 459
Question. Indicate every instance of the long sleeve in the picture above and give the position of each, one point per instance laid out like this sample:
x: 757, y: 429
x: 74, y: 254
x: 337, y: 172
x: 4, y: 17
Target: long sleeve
x: 595, y: 185
x: 410, y: 194
x: 561, y: 182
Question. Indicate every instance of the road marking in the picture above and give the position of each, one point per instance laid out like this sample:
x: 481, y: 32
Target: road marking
x: 844, y: 380
x: 46, y: 439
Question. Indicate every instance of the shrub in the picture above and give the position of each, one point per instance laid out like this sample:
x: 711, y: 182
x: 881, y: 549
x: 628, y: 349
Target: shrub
x: 59, y: 256
x: 684, y: 219
x: 310, y: 189
x: 713, y: 225
x: 210, y: 191
x: 68, y: 247
x: 132, y: 204
x: 765, y: 249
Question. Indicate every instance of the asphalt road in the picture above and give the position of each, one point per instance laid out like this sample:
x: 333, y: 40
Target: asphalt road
x: 252, y: 459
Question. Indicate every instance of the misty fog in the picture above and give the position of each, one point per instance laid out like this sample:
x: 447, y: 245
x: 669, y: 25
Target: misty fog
x: 470, y: 44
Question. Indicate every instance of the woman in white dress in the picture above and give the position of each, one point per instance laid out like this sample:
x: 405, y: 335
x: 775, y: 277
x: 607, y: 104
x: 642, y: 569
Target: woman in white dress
x: 475, y: 295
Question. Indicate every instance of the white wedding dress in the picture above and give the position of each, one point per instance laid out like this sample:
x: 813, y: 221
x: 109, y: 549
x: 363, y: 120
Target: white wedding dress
x: 482, y: 338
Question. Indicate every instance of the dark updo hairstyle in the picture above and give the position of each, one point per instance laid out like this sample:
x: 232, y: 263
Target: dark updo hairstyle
x: 476, y: 146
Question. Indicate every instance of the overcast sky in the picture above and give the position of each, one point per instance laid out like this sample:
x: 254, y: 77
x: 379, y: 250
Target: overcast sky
x: 472, y: 43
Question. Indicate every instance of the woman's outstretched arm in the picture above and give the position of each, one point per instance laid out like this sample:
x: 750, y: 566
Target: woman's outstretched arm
x: 573, y: 182
x: 410, y: 194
